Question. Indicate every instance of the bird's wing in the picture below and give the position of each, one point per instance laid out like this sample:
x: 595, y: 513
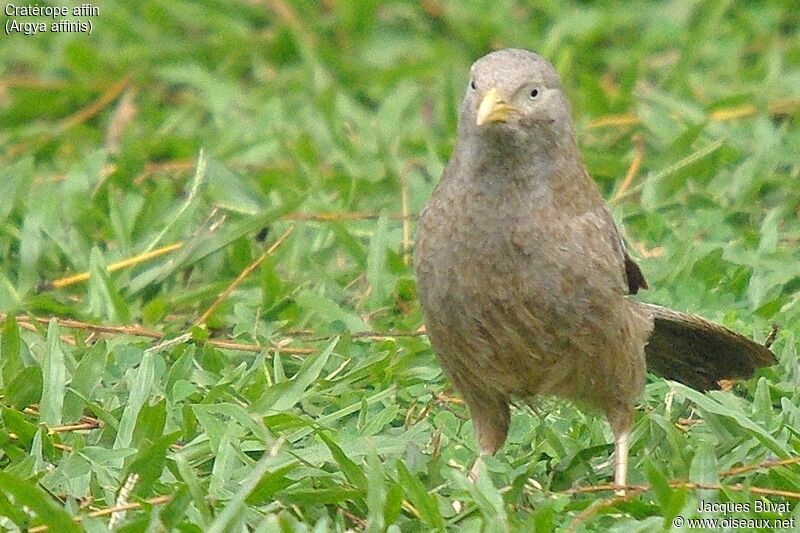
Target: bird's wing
x: 581, y: 201
x: 633, y: 274
x: 601, y: 217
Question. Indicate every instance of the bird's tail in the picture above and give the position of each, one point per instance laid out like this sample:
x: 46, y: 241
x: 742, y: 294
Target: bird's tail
x: 698, y: 353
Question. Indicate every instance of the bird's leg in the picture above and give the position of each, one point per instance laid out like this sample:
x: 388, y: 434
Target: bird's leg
x: 490, y: 417
x: 621, y: 461
x: 621, y: 426
x: 476, y: 466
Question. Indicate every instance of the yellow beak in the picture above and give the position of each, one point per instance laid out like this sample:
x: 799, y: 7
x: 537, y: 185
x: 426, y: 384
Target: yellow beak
x: 493, y: 108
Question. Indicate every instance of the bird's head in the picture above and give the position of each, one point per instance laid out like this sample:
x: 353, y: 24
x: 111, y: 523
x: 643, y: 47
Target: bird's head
x: 515, y: 96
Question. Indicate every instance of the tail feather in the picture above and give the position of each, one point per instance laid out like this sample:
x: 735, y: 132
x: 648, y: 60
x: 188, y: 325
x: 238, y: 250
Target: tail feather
x: 699, y: 353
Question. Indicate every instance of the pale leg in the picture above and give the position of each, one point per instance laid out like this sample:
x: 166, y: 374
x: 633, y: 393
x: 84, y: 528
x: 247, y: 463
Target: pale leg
x: 490, y: 417
x: 476, y: 466
x: 621, y: 460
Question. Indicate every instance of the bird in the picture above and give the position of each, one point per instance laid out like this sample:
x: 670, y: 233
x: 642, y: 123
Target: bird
x: 523, y: 278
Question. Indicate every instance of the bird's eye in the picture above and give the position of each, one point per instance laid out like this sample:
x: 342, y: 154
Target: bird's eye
x: 534, y: 94
x: 472, y: 85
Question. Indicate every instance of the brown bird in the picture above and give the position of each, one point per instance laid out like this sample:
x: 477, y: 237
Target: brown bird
x: 523, y: 277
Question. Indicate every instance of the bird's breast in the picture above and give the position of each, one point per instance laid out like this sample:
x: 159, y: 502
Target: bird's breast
x: 473, y: 248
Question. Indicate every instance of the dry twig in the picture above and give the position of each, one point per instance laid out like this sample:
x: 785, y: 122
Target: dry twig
x: 113, y: 267
x: 243, y: 274
x: 633, y: 170
x: 158, y: 500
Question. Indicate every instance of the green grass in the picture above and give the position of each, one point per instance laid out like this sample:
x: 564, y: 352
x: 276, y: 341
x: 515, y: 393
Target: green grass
x: 220, y: 125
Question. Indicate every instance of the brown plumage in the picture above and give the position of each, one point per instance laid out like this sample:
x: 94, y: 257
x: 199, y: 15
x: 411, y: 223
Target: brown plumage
x: 523, y: 277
